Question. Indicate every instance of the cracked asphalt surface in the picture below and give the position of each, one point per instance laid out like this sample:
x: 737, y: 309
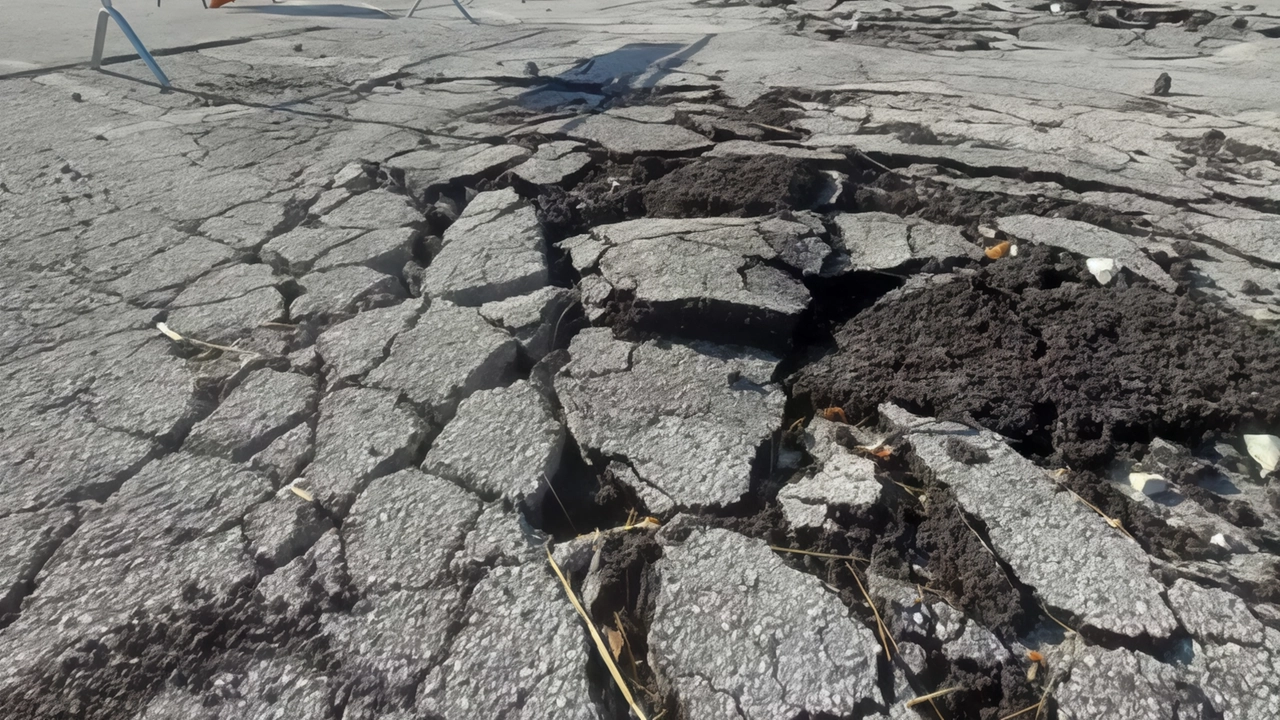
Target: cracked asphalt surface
x: 780, y: 326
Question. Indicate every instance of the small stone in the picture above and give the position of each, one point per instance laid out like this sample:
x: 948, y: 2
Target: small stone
x: 1104, y: 269
x: 1163, y: 84
x: 1148, y: 484
x: 1265, y: 449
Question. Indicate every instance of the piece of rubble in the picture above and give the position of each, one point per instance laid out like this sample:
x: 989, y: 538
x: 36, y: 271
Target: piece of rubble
x: 1148, y: 483
x: 688, y: 419
x: 881, y: 241
x: 1117, y: 684
x: 296, y: 250
x: 372, y: 210
x: 430, y: 167
x: 344, y: 291
x: 1241, y: 681
x: 361, y: 434
x: 704, y: 279
x: 175, y: 267
x: 540, y: 321
x: 844, y: 481
x: 287, y: 455
x: 912, y: 617
x: 553, y: 163
x: 502, y: 443
x: 283, y: 528
x: 1039, y: 531
x: 1212, y: 615
x: 523, y: 646
x: 263, y: 407
x: 403, y: 529
x: 494, y: 251
x: 1088, y: 240
x: 628, y: 137
x: 734, y: 627
x: 1104, y: 270
x: 385, y: 250
x: 1265, y: 449
x: 451, y: 353
x: 352, y: 348
x: 227, y: 304
x: 27, y: 540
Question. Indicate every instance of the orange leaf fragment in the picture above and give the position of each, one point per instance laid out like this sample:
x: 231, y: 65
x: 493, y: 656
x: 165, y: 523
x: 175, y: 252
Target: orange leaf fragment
x: 999, y: 250
x: 615, y: 641
x: 835, y: 414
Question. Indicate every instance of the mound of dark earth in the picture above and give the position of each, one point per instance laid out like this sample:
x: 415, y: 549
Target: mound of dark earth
x: 1034, y: 349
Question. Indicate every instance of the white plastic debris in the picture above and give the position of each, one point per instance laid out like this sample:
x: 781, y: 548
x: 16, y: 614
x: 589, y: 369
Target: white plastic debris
x: 1148, y: 483
x: 1104, y: 269
x: 1013, y: 251
x: 1055, y: 8
x: 1265, y: 449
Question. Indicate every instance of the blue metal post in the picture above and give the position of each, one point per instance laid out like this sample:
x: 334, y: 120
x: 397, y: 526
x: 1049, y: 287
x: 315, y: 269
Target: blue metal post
x: 133, y: 39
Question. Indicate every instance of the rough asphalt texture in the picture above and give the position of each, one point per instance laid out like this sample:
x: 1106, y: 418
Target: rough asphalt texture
x: 774, y: 323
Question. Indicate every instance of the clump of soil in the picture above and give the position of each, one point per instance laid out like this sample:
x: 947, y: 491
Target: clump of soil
x: 1032, y: 348
x: 735, y: 185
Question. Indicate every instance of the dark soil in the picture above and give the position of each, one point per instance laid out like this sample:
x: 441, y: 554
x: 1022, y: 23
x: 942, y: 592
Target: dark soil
x: 1032, y: 348
x: 737, y: 186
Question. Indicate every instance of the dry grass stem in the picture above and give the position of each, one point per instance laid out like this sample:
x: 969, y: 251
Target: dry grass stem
x: 601, y: 647
x: 813, y: 553
x: 930, y: 697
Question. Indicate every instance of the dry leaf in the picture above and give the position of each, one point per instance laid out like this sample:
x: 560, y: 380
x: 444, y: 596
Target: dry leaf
x: 999, y: 250
x: 615, y: 641
x: 1265, y: 449
x: 169, y: 333
x: 302, y: 493
x: 835, y: 414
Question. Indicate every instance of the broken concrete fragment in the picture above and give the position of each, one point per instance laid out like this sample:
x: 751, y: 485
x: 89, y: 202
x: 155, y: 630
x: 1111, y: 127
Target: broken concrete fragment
x: 1103, y: 269
x: 1212, y: 615
x: 688, y: 419
x: 880, y: 241
x: 1265, y: 449
x: 283, y: 528
x: 843, y: 481
x: 702, y: 278
x: 174, y: 267
x: 1148, y: 483
x: 732, y: 616
x: 27, y: 540
x: 385, y: 250
x: 553, y: 163
x: 296, y: 250
x: 1088, y: 240
x: 1117, y: 684
x: 424, y: 169
x: 1040, y: 532
x: 354, y: 347
x: 502, y: 443
x: 344, y: 291
x: 541, y: 321
x: 263, y: 407
x: 362, y: 433
x: 494, y: 251
x: 372, y: 210
x: 523, y: 646
x: 451, y: 353
x: 285, y: 457
x: 1241, y: 681
x: 404, y: 528
x: 628, y: 137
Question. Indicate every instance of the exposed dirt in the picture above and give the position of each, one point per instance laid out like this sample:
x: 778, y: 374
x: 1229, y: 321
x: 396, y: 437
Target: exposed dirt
x: 1032, y: 348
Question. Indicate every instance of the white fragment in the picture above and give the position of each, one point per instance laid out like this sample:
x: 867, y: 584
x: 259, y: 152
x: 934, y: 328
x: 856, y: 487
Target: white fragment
x: 1055, y: 8
x: 1104, y: 269
x: 1148, y: 483
x: 1013, y: 251
x: 1220, y: 540
x: 1265, y: 449
x: 987, y: 232
x: 162, y: 327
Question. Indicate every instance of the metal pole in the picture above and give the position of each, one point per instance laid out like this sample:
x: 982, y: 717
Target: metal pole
x: 133, y: 39
x: 99, y: 38
x: 456, y: 4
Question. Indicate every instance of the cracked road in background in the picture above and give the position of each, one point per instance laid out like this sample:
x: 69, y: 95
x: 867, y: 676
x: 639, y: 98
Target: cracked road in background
x: 784, y: 328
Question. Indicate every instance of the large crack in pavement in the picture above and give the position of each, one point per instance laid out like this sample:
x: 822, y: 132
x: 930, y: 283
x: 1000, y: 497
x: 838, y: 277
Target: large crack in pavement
x: 878, y: 398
